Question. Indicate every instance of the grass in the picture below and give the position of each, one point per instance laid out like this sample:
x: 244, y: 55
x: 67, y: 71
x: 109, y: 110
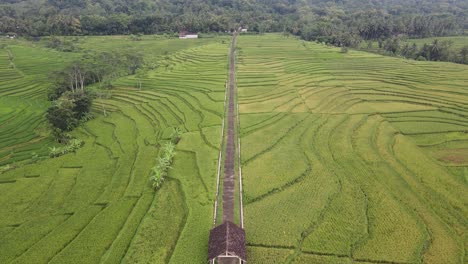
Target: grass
x: 339, y: 155
x: 458, y: 41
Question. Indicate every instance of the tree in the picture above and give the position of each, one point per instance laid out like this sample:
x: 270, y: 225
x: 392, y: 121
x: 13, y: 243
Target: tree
x: 61, y: 116
x: 425, y: 52
x: 140, y: 73
x: 435, y: 50
x: 392, y: 45
x: 464, y: 54
x: 82, y: 103
x: 133, y: 61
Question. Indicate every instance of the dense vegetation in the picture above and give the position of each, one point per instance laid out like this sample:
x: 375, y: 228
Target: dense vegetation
x: 336, y: 21
x: 71, y: 101
x: 351, y: 157
x: 452, y: 49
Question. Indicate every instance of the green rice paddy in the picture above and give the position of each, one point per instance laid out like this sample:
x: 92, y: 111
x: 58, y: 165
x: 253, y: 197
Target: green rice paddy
x: 346, y: 157
x: 342, y: 155
x: 97, y: 205
x: 24, y: 71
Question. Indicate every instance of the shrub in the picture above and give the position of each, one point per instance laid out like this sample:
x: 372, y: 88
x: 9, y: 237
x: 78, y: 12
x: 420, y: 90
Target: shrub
x: 61, y: 45
x: 164, y: 161
x: 6, y: 168
x: 175, y: 136
x: 72, y: 146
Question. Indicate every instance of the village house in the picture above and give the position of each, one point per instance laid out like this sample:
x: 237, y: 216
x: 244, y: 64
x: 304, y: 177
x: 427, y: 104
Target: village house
x: 11, y: 35
x: 187, y: 35
x: 227, y: 244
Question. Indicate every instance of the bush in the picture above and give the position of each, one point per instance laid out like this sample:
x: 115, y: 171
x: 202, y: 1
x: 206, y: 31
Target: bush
x: 344, y: 50
x: 164, y: 161
x: 6, y: 168
x: 175, y: 136
x: 421, y: 58
x: 72, y: 146
x: 61, y: 45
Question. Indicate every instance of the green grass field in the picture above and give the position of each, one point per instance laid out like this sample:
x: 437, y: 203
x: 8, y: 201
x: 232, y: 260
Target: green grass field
x: 458, y: 41
x: 346, y: 158
x: 351, y: 158
x: 97, y: 205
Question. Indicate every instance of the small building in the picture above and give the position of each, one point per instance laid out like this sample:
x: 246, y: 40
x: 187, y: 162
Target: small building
x: 227, y: 244
x: 243, y: 30
x: 11, y: 35
x: 187, y: 35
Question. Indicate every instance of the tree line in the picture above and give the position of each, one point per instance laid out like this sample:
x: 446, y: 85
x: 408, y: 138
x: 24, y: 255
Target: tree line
x: 337, y: 22
x: 437, y: 50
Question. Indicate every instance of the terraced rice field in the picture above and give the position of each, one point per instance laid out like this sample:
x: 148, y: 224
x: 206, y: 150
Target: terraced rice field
x: 23, y: 87
x: 346, y: 158
x: 351, y: 158
x: 97, y: 205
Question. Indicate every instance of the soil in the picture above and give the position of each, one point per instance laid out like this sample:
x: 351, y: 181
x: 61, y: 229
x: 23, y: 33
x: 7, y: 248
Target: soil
x: 229, y: 185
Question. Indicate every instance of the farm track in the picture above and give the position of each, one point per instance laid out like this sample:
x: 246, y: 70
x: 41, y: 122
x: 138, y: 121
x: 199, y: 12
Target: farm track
x: 229, y: 178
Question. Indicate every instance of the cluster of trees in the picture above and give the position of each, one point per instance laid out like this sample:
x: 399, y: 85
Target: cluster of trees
x: 335, y: 21
x: 350, y: 30
x: 95, y: 68
x: 67, y: 111
x: 71, y: 100
x: 435, y: 51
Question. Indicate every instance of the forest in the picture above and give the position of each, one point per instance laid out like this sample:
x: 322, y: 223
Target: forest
x: 343, y: 22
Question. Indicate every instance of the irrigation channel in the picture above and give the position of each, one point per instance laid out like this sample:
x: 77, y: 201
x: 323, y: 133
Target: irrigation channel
x: 230, y: 149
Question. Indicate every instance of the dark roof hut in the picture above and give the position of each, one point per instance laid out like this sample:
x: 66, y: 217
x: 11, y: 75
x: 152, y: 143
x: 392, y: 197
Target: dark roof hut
x: 227, y: 244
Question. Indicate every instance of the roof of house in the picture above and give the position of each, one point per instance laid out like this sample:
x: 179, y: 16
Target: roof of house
x: 185, y: 33
x: 227, y: 239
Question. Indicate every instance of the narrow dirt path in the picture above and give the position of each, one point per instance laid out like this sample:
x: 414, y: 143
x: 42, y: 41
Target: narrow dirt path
x: 229, y: 184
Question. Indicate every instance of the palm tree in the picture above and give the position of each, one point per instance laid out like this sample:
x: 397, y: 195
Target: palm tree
x: 435, y: 50
x: 464, y: 54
